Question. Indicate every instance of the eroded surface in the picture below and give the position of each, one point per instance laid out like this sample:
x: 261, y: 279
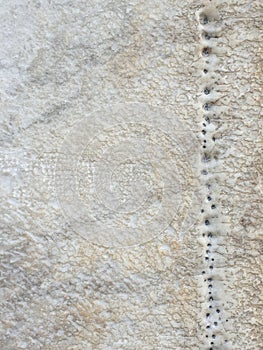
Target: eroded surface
x: 63, y: 61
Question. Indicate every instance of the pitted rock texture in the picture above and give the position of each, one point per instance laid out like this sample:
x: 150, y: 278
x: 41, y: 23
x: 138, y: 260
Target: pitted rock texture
x: 240, y: 143
x: 61, y: 61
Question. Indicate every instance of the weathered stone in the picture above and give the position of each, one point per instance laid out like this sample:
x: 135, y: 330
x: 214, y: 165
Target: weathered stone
x: 131, y: 175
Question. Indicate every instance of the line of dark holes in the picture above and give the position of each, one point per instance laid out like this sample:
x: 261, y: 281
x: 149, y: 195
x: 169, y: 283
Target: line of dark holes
x: 206, y: 52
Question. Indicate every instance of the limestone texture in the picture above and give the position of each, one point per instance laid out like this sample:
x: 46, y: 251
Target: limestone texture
x: 131, y: 175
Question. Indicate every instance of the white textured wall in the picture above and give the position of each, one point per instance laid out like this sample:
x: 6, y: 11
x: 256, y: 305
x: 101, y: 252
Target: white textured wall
x: 131, y: 174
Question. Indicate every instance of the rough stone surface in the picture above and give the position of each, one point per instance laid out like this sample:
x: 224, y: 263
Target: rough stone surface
x: 131, y: 174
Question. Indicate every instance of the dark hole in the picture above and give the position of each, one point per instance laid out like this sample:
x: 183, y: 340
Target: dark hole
x: 211, y: 267
x: 207, y: 315
x: 209, y: 244
x: 210, y: 279
x: 210, y: 286
x: 206, y: 51
x: 210, y: 307
x: 203, y: 132
x: 217, y: 310
x: 215, y: 323
x: 210, y: 234
x: 207, y: 222
x: 207, y: 36
x: 213, y: 206
x: 205, y: 20
x: 204, y: 141
x: 203, y: 272
x: 205, y: 71
x: 202, y: 210
x: 207, y: 327
x: 206, y: 106
x: 213, y: 138
x: 206, y: 91
x: 209, y: 198
x: 206, y: 258
x: 204, y: 172
x: 213, y: 259
x: 211, y: 298
x: 207, y: 119
x: 204, y: 146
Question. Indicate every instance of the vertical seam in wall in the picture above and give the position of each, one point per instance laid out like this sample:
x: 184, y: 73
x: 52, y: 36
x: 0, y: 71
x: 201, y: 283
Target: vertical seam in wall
x: 211, y: 230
